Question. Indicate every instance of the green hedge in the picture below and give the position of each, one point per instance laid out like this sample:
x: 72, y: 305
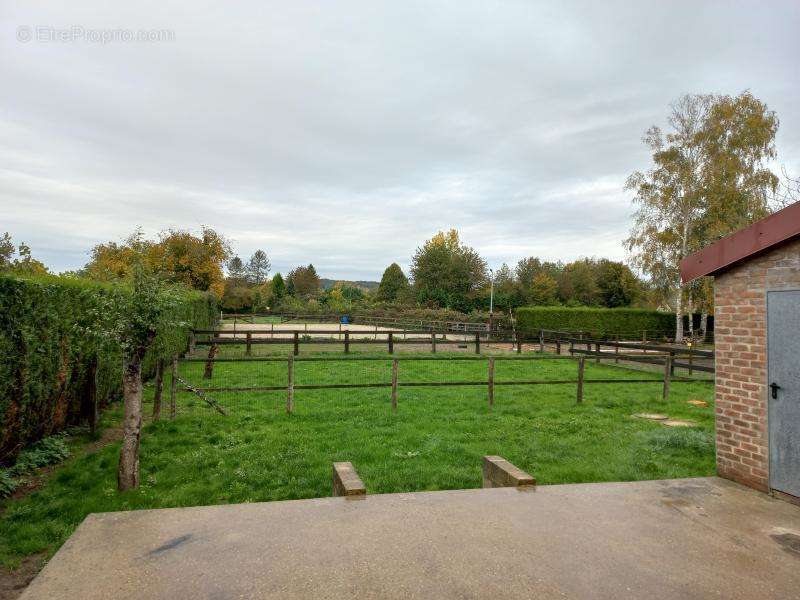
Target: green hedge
x: 629, y: 322
x: 45, y: 357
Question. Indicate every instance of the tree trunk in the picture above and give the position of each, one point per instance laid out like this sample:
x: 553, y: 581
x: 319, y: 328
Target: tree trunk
x: 703, y: 325
x: 159, y: 389
x: 679, y: 316
x: 690, y: 310
x: 128, y: 472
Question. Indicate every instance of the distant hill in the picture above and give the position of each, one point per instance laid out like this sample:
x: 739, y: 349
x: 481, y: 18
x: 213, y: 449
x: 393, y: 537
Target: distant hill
x: 364, y: 285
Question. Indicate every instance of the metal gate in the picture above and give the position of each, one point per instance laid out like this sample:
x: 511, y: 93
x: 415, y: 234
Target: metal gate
x: 783, y: 343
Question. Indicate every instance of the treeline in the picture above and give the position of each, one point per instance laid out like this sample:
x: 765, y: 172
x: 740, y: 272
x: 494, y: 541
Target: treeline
x: 445, y: 274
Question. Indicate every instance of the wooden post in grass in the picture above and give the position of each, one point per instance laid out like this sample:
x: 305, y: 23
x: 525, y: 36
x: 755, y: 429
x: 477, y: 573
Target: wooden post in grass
x: 159, y: 391
x: 581, y: 367
x: 248, y: 349
x: 690, y: 361
x: 433, y: 342
x: 290, y: 385
x: 192, y: 341
x: 173, y: 389
x: 296, y: 350
x: 597, y: 349
x: 347, y: 342
x: 616, y: 351
x: 212, y: 354
x: 571, y: 348
x: 491, y: 382
x: 558, y: 346
x: 671, y: 364
x: 667, y: 371
x: 390, y: 337
x: 477, y: 343
x: 394, y: 384
x: 541, y: 340
x: 519, y: 343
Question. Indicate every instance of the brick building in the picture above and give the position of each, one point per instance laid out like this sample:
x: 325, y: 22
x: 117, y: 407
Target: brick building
x: 757, y: 333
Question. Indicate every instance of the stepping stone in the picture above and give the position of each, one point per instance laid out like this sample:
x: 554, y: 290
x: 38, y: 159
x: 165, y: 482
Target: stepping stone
x: 651, y: 416
x: 697, y: 402
x: 678, y: 423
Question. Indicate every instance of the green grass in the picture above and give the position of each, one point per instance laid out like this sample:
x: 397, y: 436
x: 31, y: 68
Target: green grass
x: 434, y: 441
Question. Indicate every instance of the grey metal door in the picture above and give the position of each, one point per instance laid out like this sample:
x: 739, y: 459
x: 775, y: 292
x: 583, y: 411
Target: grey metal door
x: 783, y: 391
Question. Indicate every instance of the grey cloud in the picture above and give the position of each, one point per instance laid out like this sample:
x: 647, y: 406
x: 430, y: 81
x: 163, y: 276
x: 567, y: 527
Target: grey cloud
x: 346, y: 135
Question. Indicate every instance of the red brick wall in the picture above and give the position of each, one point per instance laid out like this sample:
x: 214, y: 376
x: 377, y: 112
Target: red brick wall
x: 740, y: 332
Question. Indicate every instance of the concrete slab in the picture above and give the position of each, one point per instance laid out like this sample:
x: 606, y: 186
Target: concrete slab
x: 684, y: 538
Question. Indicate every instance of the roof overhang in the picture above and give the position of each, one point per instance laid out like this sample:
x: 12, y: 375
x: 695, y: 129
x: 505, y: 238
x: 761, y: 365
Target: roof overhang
x: 759, y: 237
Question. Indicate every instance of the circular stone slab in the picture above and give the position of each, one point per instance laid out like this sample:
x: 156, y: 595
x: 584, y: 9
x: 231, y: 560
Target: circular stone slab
x: 651, y: 416
x: 678, y: 423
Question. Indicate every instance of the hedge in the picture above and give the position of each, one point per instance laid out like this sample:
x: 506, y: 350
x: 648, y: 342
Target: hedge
x: 601, y: 322
x: 45, y: 359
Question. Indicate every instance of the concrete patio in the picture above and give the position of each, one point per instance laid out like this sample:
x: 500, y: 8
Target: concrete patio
x: 685, y: 538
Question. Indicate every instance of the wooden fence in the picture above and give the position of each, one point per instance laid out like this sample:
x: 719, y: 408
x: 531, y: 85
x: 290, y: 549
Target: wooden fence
x: 580, y: 381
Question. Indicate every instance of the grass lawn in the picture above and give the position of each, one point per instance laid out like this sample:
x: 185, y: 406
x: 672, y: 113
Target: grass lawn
x: 434, y: 441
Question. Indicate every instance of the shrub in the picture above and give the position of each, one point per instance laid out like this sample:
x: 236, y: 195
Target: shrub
x: 7, y: 483
x: 46, y: 349
x: 597, y: 321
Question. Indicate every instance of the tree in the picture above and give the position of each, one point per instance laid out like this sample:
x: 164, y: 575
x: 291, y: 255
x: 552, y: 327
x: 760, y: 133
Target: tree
x: 305, y: 282
x: 140, y: 309
x: 278, y: 288
x: 617, y: 284
x: 25, y: 264
x: 236, y: 269
x: 447, y: 272
x: 393, y: 283
x: 258, y: 268
x: 708, y: 179
x: 577, y: 284
x: 543, y: 290
x: 177, y: 257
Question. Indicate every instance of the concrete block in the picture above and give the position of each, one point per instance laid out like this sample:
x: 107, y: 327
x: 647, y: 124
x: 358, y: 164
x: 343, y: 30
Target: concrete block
x: 346, y: 481
x: 498, y: 472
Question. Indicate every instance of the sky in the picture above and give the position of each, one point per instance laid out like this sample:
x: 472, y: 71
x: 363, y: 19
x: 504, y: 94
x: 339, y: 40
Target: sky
x: 345, y: 134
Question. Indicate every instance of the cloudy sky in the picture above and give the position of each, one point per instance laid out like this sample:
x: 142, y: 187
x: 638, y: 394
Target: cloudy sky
x: 346, y: 133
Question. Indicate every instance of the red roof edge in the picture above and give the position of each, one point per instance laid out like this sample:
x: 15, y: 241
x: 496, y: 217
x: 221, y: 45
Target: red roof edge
x: 762, y: 235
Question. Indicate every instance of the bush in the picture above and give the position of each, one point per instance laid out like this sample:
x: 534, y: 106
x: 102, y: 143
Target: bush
x: 46, y: 350
x: 597, y: 321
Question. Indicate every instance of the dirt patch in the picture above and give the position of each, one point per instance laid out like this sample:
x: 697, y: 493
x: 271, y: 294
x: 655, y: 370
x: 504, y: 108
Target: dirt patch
x: 678, y: 423
x: 651, y: 416
x: 13, y: 583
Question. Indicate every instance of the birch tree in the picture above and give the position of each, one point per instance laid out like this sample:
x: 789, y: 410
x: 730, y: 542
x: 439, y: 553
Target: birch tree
x: 708, y: 179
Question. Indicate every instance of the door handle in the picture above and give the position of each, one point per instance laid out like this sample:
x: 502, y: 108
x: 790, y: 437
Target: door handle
x: 775, y: 387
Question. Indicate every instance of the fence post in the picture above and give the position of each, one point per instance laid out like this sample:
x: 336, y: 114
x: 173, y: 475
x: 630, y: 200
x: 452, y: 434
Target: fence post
x: 491, y: 382
x: 290, y: 385
x: 433, y: 342
x: 597, y: 349
x: 272, y: 331
x: 541, y: 340
x: 558, y: 346
x: 644, y: 336
x: 581, y: 367
x: 571, y: 348
x: 691, y: 354
x: 667, y: 372
x: 212, y: 354
x: 477, y: 343
x: 249, y: 350
x: 391, y: 342
x: 159, y: 391
x: 347, y: 342
x: 296, y: 350
x: 616, y: 351
x: 192, y: 341
x: 173, y: 389
x: 671, y: 365
x: 394, y: 384
x: 519, y: 343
